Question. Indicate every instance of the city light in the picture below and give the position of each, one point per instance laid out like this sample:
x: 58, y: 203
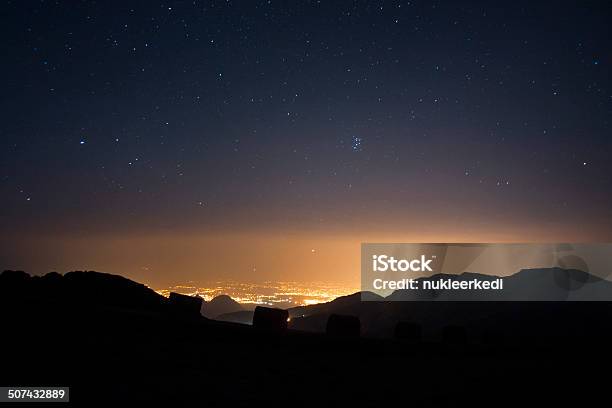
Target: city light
x: 280, y: 294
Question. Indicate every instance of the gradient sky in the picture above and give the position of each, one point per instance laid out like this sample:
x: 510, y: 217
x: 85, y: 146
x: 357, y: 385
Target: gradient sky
x: 265, y: 140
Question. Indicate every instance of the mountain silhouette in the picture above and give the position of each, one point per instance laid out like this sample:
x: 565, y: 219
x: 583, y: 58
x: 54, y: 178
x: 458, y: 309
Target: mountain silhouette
x: 220, y: 305
x: 83, y: 288
x: 546, y: 284
x: 94, y: 331
x: 503, y: 312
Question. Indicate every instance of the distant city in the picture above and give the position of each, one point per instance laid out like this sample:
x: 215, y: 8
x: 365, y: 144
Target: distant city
x: 279, y: 294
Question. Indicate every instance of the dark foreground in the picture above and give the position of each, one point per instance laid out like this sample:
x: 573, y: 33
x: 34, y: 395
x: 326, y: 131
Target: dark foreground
x: 113, y: 342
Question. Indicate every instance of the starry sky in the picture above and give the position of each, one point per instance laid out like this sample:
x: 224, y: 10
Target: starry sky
x: 195, y: 140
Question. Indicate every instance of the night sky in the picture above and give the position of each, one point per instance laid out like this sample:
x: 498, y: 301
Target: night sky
x: 265, y: 139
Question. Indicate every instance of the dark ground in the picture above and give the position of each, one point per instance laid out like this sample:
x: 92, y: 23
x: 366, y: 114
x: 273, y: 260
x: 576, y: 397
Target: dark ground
x: 131, y: 347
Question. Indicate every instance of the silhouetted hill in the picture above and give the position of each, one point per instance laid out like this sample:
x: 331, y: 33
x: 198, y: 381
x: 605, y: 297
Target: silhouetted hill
x: 111, y: 290
x: 338, y: 304
x: 499, y: 312
x: 83, y: 289
x: 219, y: 305
x: 314, y: 317
x: 547, y: 284
x: 114, y: 341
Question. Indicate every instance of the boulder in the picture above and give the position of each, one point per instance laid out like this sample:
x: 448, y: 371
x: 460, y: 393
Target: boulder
x: 188, y: 305
x: 270, y: 319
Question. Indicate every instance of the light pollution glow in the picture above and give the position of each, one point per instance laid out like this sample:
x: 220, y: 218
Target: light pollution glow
x: 163, y: 259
